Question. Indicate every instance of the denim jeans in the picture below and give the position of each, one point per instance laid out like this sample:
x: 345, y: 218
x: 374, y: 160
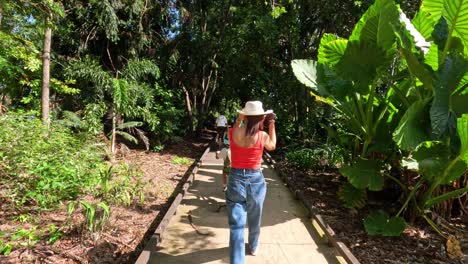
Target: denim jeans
x: 245, y: 194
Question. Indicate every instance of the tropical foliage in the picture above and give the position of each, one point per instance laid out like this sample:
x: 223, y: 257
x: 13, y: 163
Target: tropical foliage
x: 399, y: 84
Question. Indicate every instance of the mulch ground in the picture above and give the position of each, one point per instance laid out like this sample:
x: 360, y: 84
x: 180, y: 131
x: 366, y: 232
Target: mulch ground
x: 419, y: 244
x: 128, y: 228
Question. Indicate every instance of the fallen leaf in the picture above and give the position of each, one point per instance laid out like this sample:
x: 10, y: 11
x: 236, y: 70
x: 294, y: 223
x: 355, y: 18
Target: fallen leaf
x: 453, y: 248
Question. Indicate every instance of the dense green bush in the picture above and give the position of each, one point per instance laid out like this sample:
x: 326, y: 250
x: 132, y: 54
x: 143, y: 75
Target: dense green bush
x: 43, y: 167
x: 320, y: 156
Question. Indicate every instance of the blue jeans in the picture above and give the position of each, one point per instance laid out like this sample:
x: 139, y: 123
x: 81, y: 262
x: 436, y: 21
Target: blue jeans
x: 245, y: 194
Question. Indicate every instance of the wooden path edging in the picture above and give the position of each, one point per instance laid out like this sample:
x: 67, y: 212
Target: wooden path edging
x: 157, y: 236
x: 317, y: 219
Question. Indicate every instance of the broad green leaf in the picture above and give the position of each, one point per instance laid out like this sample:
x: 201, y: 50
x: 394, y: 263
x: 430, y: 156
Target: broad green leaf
x: 379, y: 223
x: 455, y: 12
x: 432, y: 158
x: 306, y: 72
x: 375, y: 27
x: 462, y: 86
x: 415, y: 66
x: 459, y: 104
x: 351, y: 196
x: 462, y: 127
x: 447, y: 79
x: 364, y: 174
x: 413, y: 127
x: 440, y: 33
x: 330, y: 84
x: 332, y: 52
x: 432, y: 57
x: 361, y: 62
x: 424, y: 23
x: 433, y: 7
x: 454, y: 172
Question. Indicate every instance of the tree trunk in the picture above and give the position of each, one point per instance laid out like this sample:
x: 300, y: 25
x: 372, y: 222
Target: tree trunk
x: 114, y: 125
x: 188, y: 103
x: 1, y: 13
x: 46, y: 74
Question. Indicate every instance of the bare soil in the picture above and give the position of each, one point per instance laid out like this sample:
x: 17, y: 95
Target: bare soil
x: 419, y: 244
x: 129, y: 227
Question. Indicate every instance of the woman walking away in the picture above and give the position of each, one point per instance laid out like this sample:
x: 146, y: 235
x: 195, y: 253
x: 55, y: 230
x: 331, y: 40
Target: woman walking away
x: 246, y: 187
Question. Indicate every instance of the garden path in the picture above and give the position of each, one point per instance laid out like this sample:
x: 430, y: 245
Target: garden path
x: 287, y: 235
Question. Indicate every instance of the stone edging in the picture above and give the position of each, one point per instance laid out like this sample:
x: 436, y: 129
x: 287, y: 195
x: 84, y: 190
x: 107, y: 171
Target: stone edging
x: 157, y: 236
x: 317, y: 219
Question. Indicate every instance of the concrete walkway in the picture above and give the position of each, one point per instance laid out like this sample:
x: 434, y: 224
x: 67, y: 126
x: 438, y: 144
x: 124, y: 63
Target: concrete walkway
x: 287, y: 235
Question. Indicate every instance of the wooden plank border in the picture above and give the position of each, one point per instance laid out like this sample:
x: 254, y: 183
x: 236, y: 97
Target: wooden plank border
x: 157, y: 237
x: 342, y: 249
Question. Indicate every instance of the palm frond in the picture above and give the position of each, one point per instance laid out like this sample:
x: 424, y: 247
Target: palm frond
x: 142, y: 137
x: 127, y: 136
x: 130, y: 124
x: 71, y: 119
x: 137, y: 69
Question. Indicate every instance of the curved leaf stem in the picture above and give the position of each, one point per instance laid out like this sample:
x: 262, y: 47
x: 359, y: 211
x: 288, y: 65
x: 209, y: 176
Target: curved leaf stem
x: 439, y: 180
x: 397, y: 181
x: 434, y: 226
x: 411, y: 195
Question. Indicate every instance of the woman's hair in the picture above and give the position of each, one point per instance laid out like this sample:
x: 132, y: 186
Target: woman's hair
x: 254, y: 124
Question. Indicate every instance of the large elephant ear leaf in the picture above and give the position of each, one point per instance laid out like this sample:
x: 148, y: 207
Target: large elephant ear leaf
x: 455, y: 12
x: 432, y: 159
x: 424, y: 23
x: 375, y: 25
x: 433, y: 7
x: 331, y: 52
x: 462, y: 126
x: 361, y: 63
x: 379, y: 223
x: 351, y: 196
x: 448, y: 78
x: 306, y: 72
x: 408, y: 49
x: 365, y: 174
x: 413, y: 127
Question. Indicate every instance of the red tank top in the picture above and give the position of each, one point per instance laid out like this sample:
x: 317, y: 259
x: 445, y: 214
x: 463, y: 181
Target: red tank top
x: 246, y: 158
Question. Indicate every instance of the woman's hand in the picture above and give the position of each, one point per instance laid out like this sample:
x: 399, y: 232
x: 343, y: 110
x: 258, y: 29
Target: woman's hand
x: 239, y: 120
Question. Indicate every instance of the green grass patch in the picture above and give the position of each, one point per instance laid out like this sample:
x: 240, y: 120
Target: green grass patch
x: 180, y: 161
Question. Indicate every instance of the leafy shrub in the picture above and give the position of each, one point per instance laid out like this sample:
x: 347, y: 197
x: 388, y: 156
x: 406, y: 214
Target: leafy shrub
x: 121, y: 185
x: 96, y: 216
x: 43, y: 167
x: 324, y: 155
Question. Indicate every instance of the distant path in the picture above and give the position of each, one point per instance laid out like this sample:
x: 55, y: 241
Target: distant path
x: 287, y: 235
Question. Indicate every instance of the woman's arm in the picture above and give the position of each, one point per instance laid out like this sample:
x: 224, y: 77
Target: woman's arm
x: 270, y: 141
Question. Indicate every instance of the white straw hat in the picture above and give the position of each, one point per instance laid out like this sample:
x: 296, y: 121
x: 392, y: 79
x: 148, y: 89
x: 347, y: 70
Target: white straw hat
x: 254, y: 108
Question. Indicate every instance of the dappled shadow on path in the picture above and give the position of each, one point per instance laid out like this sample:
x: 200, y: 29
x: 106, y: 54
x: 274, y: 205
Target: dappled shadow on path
x: 220, y: 255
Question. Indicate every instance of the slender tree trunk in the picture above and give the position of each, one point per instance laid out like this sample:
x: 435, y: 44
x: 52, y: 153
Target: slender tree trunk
x: 188, y: 103
x: 114, y: 124
x: 1, y: 13
x: 46, y: 73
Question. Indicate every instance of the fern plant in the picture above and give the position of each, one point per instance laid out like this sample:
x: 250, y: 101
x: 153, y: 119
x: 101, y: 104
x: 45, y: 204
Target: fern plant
x: 126, y: 95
